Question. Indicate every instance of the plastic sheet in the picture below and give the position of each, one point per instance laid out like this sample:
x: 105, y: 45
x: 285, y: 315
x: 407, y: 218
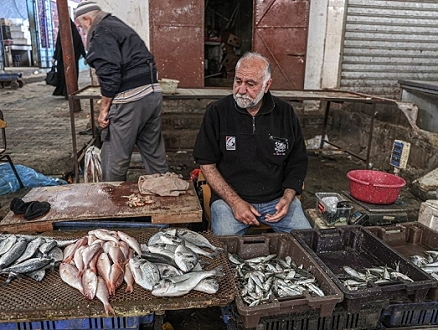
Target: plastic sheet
x: 29, y: 177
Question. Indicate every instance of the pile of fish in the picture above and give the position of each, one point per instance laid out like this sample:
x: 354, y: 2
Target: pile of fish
x: 266, y: 277
x: 355, y: 280
x: 98, y: 264
x: 174, y: 256
x: 428, y: 262
x: 29, y: 255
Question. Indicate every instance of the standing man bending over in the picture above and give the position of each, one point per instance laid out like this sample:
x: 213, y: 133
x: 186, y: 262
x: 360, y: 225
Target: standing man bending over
x: 130, y: 112
x: 251, y: 151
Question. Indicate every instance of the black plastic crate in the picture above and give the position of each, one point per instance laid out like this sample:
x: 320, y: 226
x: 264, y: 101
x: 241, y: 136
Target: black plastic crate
x: 410, y: 314
x: 358, y: 248
x: 367, y: 318
x: 408, y: 239
x: 282, y: 245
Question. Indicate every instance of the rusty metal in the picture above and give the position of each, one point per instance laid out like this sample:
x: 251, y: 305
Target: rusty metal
x: 51, y: 299
x: 177, y: 40
x: 274, y: 22
x: 68, y: 52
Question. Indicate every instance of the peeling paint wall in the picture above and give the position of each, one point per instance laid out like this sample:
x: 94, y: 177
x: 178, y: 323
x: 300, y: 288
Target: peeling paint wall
x: 135, y: 13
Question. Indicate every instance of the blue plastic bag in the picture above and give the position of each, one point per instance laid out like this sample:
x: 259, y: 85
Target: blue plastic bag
x: 29, y: 177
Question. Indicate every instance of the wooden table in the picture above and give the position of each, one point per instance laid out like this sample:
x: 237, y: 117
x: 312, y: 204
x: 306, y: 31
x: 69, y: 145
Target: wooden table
x: 102, y: 201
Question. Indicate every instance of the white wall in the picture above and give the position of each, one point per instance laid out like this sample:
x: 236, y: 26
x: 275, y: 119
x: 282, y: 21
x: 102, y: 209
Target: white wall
x: 324, y: 44
x: 135, y: 13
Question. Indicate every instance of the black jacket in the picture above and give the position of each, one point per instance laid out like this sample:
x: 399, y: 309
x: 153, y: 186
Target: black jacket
x: 258, y: 156
x: 120, y: 57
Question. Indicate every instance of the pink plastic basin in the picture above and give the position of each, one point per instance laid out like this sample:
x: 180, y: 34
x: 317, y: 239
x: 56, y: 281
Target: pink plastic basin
x: 375, y: 187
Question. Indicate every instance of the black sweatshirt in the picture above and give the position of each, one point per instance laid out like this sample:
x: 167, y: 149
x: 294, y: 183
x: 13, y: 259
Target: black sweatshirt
x: 258, y: 156
x: 120, y: 57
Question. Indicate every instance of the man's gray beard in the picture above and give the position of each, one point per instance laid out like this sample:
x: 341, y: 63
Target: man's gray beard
x: 246, y: 102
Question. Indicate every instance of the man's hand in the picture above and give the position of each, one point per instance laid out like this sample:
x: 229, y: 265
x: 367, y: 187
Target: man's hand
x: 53, y: 61
x: 104, y: 110
x: 282, y: 206
x: 245, y: 213
x: 242, y: 211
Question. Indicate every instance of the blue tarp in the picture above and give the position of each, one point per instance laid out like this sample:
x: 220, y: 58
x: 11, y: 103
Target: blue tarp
x: 29, y: 177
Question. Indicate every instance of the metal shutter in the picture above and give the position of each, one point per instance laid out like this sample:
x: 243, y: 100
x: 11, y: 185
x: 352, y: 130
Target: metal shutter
x: 389, y: 40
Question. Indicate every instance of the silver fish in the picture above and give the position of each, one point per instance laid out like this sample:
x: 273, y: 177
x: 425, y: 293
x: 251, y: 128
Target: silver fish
x: 145, y: 273
x: 180, y: 285
x: 196, y: 238
x: 185, y: 258
x: 167, y: 270
x: 13, y: 253
x: 207, y: 285
x: 28, y: 265
x: 31, y: 248
x: 46, y: 247
x: 56, y: 254
x: 7, y: 243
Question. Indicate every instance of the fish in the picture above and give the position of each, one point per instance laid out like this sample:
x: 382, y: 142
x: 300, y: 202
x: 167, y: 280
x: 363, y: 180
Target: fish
x: 46, y: 247
x: 263, y: 277
x: 28, y: 265
x: 185, y: 258
x: 145, y: 273
x: 180, y: 285
x: 129, y: 279
x: 69, y: 274
x: 89, y: 284
x: 207, y: 285
x: 79, y: 260
x: 105, y: 235
x: 31, y: 248
x: 13, y: 253
x: 167, y: 270
x: 7, y: 243
x: 197, y: 239
x: 73, y: 247
x: 132, y: 242
x: 56, y: 254
x: 103, y: 266
x: 116, y: 277
x: 103, y: 295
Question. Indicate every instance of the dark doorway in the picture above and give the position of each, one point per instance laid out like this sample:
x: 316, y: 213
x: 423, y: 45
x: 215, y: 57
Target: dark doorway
x: 228, y: 35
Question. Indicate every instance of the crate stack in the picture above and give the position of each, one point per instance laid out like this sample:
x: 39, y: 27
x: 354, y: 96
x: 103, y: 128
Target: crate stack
x: 324, y: 252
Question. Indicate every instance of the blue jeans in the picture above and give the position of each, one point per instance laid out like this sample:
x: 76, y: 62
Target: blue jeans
x: 224, y: 223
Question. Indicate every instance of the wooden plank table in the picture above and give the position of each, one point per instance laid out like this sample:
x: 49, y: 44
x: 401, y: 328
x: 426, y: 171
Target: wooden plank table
x: 99, y: 201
